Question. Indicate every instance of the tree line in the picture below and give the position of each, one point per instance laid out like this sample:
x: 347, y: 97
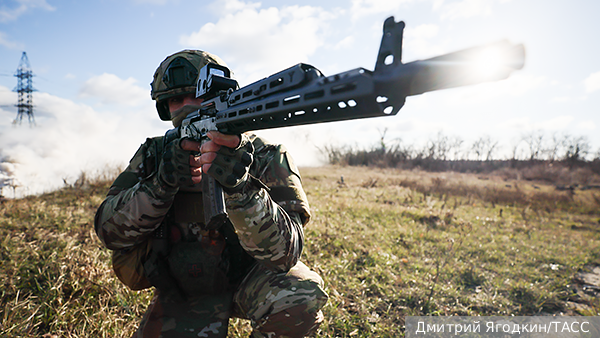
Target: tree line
x: 445, y: 152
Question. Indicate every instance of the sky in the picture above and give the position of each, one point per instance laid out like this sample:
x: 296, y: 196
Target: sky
x: 93, y: 62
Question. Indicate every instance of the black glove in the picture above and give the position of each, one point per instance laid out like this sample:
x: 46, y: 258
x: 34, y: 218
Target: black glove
x: 174, y: 169
x: 231, y: 166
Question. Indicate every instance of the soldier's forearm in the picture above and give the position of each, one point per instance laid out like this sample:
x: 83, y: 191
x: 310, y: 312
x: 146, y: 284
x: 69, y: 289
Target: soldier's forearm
x: 268, y: 233
x: 128, y: 217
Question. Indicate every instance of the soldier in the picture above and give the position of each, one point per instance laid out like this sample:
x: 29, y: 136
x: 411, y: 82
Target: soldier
x: 249, y: 267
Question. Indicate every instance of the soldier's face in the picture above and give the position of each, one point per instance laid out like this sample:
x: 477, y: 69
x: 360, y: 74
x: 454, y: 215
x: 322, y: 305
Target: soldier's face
x: 177, y: 102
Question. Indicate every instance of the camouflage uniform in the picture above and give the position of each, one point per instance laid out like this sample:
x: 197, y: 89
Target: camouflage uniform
x: 249, y: 268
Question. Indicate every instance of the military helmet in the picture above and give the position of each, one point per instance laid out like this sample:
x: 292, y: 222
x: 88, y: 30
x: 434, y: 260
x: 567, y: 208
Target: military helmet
x: 177, y: 75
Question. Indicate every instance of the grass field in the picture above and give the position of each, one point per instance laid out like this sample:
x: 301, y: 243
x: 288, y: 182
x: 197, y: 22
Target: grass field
x: 388, y: 244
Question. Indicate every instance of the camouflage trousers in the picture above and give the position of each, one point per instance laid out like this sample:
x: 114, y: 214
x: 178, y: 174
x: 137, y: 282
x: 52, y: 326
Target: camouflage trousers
x: 277, y: 304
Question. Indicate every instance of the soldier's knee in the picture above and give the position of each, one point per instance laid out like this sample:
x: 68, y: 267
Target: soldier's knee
x: 304, y: 296
x: 297, y: 315
x: 284, y: 305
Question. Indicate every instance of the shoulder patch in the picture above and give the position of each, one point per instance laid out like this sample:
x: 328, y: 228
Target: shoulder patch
x: 290, y: 162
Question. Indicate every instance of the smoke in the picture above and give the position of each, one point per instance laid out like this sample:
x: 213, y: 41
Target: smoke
x: 69, y: 139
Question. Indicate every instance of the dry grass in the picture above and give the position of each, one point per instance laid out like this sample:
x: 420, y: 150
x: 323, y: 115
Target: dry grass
x: 56, y: 278
x: 388, y: 243
x: 393, y: 243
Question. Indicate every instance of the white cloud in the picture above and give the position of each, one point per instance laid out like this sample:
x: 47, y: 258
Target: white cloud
x: 418, y: 41
x: 518, y: 123
x: 362, y: 8
x: 224, y: 7
x: 587, y: 125
x: 554, y: 124
x: 20, y: 7
x: 437, y: 4
x: 345, y: 43
x: 257, y: 41
x: 9, y: 44
x: 462, y: 9
x: 592, y: 83
x: 109, y: 88
x: 426, y: 31
x: 562, y: 99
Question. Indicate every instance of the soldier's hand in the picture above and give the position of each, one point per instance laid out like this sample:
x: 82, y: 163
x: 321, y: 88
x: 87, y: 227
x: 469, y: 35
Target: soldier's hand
x: 179, y: 166
x: 227, y: 158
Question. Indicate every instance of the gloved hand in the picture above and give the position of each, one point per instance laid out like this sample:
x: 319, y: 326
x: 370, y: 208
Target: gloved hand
x: 229, y: 166
x: 174, y: 169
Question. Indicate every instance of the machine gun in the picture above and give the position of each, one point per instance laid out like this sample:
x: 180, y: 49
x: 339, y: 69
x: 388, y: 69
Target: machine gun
x: 301, y: 95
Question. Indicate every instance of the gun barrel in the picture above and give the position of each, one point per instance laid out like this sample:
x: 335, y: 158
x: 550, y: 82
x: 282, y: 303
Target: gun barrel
x: 475, y: 65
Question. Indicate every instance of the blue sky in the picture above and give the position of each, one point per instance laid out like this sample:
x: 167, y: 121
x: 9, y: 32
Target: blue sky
x: 94, y: 60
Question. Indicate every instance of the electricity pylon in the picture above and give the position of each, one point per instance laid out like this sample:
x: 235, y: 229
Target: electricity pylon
x: 24, y: 89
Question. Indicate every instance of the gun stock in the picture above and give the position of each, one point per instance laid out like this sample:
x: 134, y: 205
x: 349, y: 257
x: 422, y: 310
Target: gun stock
x: 301, y: 95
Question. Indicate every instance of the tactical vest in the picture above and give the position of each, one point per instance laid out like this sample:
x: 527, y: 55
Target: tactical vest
x: 186, y: 262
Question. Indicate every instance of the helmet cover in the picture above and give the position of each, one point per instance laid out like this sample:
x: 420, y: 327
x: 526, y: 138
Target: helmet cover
x: 177, y: 75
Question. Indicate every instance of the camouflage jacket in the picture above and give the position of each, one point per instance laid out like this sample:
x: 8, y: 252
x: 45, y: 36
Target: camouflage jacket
x: 266, y: 223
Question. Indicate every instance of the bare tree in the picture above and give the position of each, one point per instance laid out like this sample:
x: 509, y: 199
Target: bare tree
x: 477, y: 148
x: 456, y: 147
x: 484, y: 148
x: 442, y: 146
x: 382, y: 146
x: 576, y: 148
x: 554, y: 147
x: 535, y: 143
x: 491, y: 147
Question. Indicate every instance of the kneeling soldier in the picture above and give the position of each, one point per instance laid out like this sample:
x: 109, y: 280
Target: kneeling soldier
x: 152, y: 219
